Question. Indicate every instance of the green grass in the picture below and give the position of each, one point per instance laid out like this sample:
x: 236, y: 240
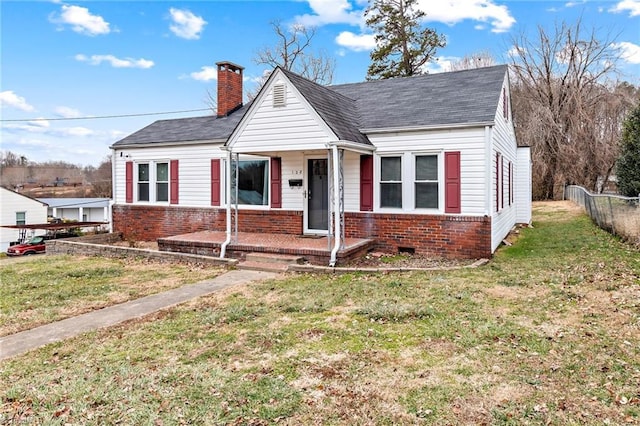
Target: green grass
x: 43, y: 289
x: 547, y: 333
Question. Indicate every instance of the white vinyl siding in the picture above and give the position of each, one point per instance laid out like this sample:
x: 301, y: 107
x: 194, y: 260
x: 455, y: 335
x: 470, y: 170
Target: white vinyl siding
x: 471, y: 144
x: 503, y: 142
x: 194, y: 162
x: 294, y: 126
x: 522, y: 185
x: 12, y: 203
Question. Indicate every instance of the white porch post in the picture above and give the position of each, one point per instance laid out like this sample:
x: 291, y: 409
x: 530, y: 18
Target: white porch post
x: 227, y: 184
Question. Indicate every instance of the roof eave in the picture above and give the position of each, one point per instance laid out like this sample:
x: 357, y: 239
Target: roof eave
x: 374, y: 130
x: 171, y: 143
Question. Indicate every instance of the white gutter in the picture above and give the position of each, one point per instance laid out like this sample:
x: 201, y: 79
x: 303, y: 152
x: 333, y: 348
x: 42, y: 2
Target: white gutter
x: 418, y: 128
x: 353, y: 146
x: 170, y: 143
x: 337, y: 232
x: 227, y: 172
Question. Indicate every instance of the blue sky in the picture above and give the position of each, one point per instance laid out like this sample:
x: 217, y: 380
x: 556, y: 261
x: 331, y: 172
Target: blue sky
x: 73, y: 59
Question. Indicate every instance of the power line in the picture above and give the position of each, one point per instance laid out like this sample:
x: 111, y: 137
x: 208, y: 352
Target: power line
x: 104, y: 116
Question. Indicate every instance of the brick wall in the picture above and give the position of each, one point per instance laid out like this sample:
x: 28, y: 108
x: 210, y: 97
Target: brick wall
x: 456, y: 237
x: 433, y: 235
x: 148, y: 223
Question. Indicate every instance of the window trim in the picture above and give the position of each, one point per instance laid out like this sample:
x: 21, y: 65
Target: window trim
x: 152, y: 182
x: 379, y: 181
x: 227, y: 199
x: 408, y: 181
x: 137, y: 182
x: 438, y: 181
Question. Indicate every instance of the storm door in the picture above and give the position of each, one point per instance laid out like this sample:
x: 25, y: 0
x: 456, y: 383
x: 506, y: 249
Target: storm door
x: 317, y: 194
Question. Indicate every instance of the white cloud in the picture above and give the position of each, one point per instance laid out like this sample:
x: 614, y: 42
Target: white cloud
x: 331, y: 12
x: 629, y: 52
x: 10, y: 99
x: 206, y: 73
x: 81, y: 20
x: 441, y: 64
x: 66, y: 112
x: 186, y: 24
x: 356, y: 42
x: 574, y: 3
x: 633, y: 6
x: 453, y: 11
x: 43, y: 127
x: 76, y: 131
x: 115, y: 62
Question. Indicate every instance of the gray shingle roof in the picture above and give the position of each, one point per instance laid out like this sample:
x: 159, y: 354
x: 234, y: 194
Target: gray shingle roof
x: 185, y: 129
x: 453, y: 98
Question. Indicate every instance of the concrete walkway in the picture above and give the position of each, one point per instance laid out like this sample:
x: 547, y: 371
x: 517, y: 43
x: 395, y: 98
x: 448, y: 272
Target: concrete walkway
x: 19, y: 343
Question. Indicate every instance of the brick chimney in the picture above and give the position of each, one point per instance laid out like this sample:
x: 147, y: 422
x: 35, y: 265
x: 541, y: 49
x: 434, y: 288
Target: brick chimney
x: 229, y: 87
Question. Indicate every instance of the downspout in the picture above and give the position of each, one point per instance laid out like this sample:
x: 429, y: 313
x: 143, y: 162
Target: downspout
x: 227, y: 184
x: 336, y: 207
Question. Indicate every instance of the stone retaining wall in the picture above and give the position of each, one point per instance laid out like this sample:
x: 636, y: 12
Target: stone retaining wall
x: 80, y: 247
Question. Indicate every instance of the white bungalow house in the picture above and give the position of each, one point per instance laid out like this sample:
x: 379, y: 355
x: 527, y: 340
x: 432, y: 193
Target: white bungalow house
x: 18, y: 209
x: 427, y: 164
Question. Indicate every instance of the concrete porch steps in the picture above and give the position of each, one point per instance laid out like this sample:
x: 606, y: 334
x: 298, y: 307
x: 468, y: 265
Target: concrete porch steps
x: 268, y: 262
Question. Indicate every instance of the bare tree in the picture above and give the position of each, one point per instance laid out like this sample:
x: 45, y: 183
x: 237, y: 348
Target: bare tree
x: 474, y: 60
x: 293, y: 52
x: 560, y: 89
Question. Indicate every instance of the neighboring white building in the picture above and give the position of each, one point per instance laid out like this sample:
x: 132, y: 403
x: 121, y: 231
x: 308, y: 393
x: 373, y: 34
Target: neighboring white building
x: 80, y: 209
x: 18, y: 209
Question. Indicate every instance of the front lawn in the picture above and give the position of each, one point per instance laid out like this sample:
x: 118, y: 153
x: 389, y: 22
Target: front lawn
x: 547, y: 333
x: 41, y: 289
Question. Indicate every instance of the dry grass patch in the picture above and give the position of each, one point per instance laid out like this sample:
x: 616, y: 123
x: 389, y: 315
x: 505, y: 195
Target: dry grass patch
x: 547, y: 333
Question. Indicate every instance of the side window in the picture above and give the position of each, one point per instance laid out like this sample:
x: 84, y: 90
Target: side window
x: 391, y: 182
x: 21, y: 218
x: 426, y: 182
x: 162, y: 181
x: 143, y: 182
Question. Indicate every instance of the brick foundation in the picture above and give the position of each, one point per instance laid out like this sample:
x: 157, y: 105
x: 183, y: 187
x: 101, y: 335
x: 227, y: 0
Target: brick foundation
x: 148, y: 223
x: 455, y: 237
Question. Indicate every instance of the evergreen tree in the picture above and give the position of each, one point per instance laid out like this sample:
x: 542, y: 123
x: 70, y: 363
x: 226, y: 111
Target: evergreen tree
x: 628, y: 165
x: 402, y: 45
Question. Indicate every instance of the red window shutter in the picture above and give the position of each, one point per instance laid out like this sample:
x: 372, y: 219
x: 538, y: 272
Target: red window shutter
x: 497, y: 194
x: 174, y: 184
x: 452, y: 198
x: 276, y: 183
x: 366, y: 183
x: 510, y: 183
x: 128, y: 197
x: 501, y: 182
x: 215, y: 182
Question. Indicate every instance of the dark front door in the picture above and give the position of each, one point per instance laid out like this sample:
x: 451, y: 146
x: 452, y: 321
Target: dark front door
x: 317, y: 195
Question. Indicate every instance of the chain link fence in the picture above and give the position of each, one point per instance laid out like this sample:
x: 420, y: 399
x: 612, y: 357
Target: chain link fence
x: 614, y: 213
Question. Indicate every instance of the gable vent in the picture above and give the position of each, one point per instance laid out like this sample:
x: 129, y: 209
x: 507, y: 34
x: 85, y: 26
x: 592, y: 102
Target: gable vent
x: 279, y: 95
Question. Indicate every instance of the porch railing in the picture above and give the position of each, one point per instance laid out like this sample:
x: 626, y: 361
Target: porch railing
x: 614, y: 213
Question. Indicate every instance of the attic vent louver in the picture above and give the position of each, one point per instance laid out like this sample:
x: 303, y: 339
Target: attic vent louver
x: 279, y: 95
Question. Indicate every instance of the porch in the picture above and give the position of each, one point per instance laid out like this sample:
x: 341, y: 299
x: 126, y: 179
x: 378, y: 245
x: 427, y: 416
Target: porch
x: 314, y: 249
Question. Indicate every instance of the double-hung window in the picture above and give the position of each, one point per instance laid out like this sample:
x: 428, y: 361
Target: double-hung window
x: 391, y: 182
x: 143, y: 182
x: 21, y: 218
x: 162, y: 182
x: 426, y: 182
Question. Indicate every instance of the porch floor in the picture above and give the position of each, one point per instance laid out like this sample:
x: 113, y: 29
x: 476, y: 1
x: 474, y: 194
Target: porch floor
x: 314, y: 249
